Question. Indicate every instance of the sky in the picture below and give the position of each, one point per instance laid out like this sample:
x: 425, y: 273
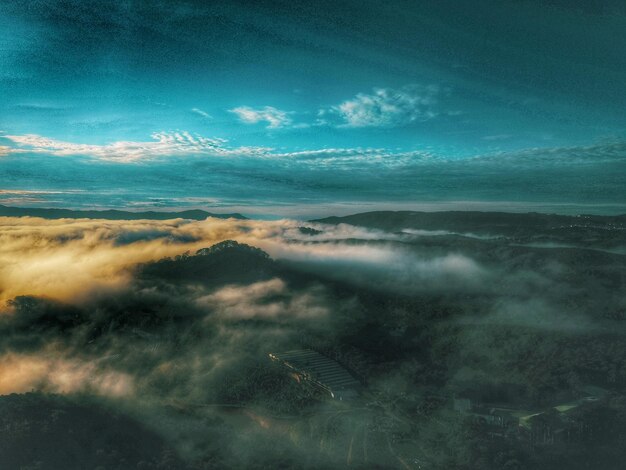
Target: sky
x: 296, y: 108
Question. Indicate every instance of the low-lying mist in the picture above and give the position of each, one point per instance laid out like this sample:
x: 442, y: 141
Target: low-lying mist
x: 173, y: 321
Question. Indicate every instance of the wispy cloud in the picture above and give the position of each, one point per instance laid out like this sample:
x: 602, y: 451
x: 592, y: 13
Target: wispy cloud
x: 274, y: 118
x: 173, y: 144
x: 34, y: 196
x: 497, y: 137
x: 387, y: 107
x: 202, y: 113
x: 184, y: 144
x: 164, y: 144
x: 20, y: 192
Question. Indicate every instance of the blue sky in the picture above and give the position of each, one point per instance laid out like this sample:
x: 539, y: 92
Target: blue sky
x: 308, y: 107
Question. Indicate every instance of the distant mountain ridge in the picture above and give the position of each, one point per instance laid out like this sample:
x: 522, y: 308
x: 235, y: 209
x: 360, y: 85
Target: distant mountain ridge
x: 506, y: 223
x: 112, y: 214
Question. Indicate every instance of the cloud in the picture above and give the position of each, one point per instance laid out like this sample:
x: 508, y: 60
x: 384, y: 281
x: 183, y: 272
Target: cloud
x: 202, y: 113
x: 183, y: 143
x: 21, y: 373
x: 274, y: 118
x: 34, y: 196
x: 497, y: 137
x: 606, y: 151
x: 19, y: 192
x: 265, y: 299
x: 165, y: 144
x: 358, y: 157
x: 74, y: 258
x: 387, y: 107
x: 391, y: 268
x: 103, y: 342
x: 192, y: 333
x: 293, y: 181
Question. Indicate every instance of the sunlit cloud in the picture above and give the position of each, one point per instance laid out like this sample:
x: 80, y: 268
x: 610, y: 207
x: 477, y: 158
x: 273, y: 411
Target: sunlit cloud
x: 274, y: 118
x: 71, y: 259
x: 180, y: 144
x: 21, y: 373
x: 164, y: 144
x: 265, y: 299
x: 19, y: 192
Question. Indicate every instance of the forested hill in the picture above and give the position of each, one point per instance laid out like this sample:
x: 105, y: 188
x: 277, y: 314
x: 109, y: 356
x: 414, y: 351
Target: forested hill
x: 43, y: 431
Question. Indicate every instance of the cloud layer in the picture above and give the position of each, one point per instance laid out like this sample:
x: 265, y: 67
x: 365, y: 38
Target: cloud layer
x: 91, y: 307
x: 68, y: 259
x: 164, y: 145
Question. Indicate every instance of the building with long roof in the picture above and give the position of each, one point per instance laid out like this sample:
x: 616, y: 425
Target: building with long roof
x: 319, y: 371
